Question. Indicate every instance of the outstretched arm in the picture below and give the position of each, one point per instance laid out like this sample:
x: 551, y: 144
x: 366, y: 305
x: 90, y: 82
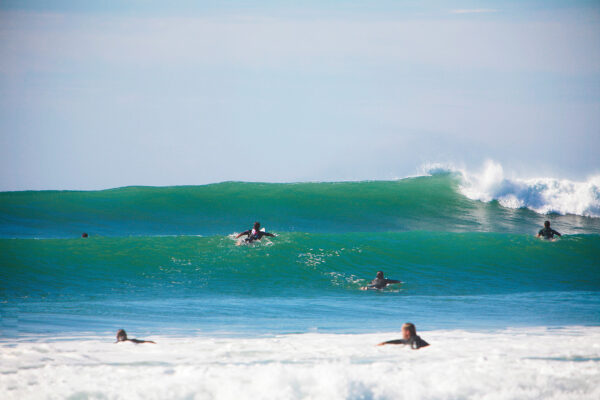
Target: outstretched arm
x: 397, y: 341
x: 388, y: 281
x: 242, y: 234
x: 268, y: 234
x: 138, y: 341
x: 556, y: 233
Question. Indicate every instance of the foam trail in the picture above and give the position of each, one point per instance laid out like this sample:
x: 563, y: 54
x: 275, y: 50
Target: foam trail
x: 542, y: 195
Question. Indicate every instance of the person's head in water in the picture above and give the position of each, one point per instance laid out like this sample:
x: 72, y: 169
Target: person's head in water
x: 408, y: 330
x: 121, y: 335
x: 256, y: 226
x: 379, y: 275
x: 547, y: 224
x: 84, y: 235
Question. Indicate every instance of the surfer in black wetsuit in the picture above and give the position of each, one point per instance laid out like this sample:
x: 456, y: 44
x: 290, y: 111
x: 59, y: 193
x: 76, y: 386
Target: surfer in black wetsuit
x: 547, y: 232
x: 379, y: 282
x: 122, y: 337
x: 254, y: 234
x: 409, y: 337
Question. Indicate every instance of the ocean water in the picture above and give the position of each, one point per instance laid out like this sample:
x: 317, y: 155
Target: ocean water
x: 508, y: 315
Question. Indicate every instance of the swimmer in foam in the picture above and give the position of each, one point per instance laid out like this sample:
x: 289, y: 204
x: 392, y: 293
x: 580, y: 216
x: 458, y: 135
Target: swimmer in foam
x: 379, y: 282
x: 254, y: 234
x: 409, y: 337
x: 122, y: 337
x: 547, y: 232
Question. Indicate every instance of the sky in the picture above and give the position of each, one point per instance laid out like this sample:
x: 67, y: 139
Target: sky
x: 98, y: 95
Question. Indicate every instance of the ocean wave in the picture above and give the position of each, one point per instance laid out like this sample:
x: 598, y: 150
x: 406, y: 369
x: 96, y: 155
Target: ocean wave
x: 542, y: 195
x: 447, y: 200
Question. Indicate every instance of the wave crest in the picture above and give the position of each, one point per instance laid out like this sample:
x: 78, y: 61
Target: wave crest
x: 542, y: 195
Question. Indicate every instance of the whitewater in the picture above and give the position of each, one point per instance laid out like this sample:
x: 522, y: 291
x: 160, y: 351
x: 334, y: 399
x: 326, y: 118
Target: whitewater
x: 508, y: 364
x: 542, y: 195
x: 508, y: 316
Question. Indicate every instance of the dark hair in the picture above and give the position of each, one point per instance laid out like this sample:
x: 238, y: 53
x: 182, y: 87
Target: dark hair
x: 121, y: 335
x: 256, y: 225
x: 547, y: 224
x: 411, y: 328
x: 380, y: 274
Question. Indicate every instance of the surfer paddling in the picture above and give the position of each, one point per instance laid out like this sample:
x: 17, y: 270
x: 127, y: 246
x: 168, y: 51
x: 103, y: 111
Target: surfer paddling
x: 254, y: 234
x: 409, y: 337
x: 379, y: 282
x: 547, y: 232
x: 122, y: 337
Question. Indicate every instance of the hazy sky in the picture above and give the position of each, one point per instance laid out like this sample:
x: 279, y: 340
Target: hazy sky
x: 168, y: 93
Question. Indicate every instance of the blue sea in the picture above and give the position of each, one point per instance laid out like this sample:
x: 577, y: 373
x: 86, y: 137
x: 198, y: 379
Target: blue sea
x: 163, y: 263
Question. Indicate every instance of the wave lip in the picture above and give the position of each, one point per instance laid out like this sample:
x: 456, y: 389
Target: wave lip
x: 542, y: 195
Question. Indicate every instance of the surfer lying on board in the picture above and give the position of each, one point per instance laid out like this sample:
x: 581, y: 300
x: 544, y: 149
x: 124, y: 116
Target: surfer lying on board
x: 379, y: 282
x: 409, y: 337
x: 547, y: 232
x: 254, y: 234
x: 122, y: 337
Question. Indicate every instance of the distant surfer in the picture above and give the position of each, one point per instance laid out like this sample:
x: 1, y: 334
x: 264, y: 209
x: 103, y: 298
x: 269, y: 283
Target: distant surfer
x: 84, y: 235
x: 379, y: 282
x: 547, y: 232
x: 254, y: 234
x: 409, y: 337
x: 122, y: 337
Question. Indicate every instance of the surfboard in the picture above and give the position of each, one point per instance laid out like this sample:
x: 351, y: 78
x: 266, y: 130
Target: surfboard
x: 368, y: 287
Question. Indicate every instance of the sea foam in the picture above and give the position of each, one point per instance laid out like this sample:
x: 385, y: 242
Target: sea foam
x: 542, y: 195
x: 524, y: 363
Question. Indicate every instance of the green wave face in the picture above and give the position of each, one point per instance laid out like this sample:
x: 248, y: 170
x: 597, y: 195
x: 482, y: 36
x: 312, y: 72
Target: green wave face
x: 425, y: 203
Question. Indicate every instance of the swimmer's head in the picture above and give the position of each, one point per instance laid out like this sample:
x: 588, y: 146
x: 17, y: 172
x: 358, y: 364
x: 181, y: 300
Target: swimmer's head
x: 257, y: 225
x: 408, y: 330
x: 84, y: 235
x: 547, y: 224
x: 121, y: 335
x: 379, y: 274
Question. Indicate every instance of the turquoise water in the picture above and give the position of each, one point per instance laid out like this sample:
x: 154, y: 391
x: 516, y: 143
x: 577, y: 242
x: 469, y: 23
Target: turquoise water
x: 160, y: 259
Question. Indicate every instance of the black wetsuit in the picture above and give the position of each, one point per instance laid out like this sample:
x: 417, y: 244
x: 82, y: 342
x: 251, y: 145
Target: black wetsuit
x: 255, y: 235
x: 122, y: 337
x: 548, y: 233
x: 379, y: 283
x: 415, y: 342
x: 137, y: 341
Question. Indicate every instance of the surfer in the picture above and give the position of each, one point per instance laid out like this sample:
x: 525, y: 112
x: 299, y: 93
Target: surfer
x: 409, y: 337
x: 547, y: 232
x: 122, y: 337
x: 379, y: 282
x: 254, y: 234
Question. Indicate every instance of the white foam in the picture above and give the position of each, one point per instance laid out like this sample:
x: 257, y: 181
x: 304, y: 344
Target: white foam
x: 528, y: 363
x: 542, y: 195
